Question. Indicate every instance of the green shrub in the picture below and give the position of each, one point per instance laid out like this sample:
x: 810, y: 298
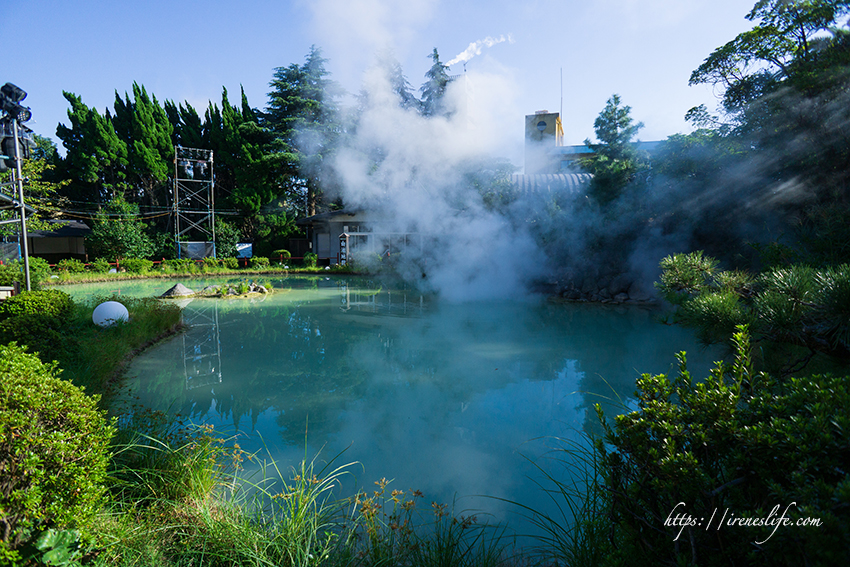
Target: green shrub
x: 99, y: 266
x: 50, y: 302
x: 285, y: 254
x: 212, y: 263
x: 54, y: 453
x: 736, y: 443
x: 10, y: 273
x: 230, y: 263
x: 14, y: 272
x: 39, y: 332
x: 310, y: 260
x: 136, y: 265
x: 39, y: 271
x: 183, y: 265
x: 71, y: 265
x: 259, y: 262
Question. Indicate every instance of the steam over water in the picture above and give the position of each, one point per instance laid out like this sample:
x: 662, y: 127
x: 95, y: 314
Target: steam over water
x: 412, y: 173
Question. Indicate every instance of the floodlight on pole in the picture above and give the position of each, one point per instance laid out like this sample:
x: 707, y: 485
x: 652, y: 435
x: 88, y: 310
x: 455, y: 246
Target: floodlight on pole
x: 10, y: 102
x: 11, y: 146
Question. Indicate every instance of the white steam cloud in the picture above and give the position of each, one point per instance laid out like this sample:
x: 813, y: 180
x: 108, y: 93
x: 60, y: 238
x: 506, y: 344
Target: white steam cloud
x: 410, y: 172
x: 476, y: 47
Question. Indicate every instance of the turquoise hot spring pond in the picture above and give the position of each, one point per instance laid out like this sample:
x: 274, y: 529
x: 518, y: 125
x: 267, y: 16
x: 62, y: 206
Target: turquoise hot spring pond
x: 467, y: 402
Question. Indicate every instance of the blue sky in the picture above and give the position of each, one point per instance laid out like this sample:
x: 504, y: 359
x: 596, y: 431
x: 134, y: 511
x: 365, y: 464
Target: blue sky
x: 643, y: 50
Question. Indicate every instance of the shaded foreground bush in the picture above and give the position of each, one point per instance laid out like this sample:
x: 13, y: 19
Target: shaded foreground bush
x: 738, y: 446
x: 53, y: 452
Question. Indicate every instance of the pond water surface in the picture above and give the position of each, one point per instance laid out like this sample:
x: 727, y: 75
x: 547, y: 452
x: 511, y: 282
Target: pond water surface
x: 458, y: 400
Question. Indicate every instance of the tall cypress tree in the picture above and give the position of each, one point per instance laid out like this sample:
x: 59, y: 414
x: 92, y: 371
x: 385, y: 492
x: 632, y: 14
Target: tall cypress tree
x: 96, y: 160
x: 187, y: 126
x: 151, y: 149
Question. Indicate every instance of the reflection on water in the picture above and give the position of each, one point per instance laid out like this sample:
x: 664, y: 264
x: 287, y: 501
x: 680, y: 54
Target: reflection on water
x: 449, y: 399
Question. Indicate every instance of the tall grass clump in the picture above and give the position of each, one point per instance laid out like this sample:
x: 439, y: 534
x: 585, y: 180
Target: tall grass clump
x: 578, y: 531
x: 180, y: 496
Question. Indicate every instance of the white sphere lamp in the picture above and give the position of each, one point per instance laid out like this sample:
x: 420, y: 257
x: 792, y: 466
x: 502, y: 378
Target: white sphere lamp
x: 109, y: 313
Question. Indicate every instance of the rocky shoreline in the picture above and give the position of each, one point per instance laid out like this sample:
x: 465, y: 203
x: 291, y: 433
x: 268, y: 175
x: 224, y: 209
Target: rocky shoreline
x: 611, y: 288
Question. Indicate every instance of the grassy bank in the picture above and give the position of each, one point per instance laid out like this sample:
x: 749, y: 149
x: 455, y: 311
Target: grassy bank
x: 59, y: 277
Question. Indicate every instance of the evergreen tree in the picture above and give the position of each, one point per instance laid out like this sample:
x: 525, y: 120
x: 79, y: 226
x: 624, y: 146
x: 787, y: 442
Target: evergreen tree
x: 399, y: 84
x: 96, y: 159
x: 187, y: 126
x: 434, y: 89
x: 251, y: 169
x: 150, y: 149
x: 302, y: 111
x: 615, y: 161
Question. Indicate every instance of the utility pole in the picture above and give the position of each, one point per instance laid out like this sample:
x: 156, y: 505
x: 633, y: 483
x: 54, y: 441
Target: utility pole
x: 10, y: 103
x: 23, y: 210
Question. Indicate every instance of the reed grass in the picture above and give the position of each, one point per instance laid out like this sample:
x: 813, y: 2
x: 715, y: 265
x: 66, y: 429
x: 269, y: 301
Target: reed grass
x: 179, y: 497
x: 578, y: 533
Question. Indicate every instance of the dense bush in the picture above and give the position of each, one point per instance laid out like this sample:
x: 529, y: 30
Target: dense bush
x: 136, y: 265
x: 50, y: 302
x: 99, y: 266
x: 259, y: 262
x: 53, y: 451
x: 111, y: 238
x: 14, y: 272
x: 10, y: 273
x: 737, y: 443
x: 39, y: 332
x: 212, y: 262
x: 179, y: 265
x: 231, y: 263
x: 310, y: 260
x: 285, y: 254
x: 71, y: 265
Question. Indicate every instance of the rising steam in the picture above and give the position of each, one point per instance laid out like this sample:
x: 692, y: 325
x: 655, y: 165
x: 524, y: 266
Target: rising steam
x: 476, y: 46
x: 411, y: 172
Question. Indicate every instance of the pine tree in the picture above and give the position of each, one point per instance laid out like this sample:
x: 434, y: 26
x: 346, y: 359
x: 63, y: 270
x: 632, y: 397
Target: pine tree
x: 615, y: 161
x: 434, y: 89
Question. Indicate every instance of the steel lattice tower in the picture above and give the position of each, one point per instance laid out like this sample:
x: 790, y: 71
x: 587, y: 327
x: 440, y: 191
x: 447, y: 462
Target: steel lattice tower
x: 194, y: 200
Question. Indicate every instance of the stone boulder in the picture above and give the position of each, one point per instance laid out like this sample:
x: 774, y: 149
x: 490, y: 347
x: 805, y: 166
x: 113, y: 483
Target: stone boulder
x: 178, y: 290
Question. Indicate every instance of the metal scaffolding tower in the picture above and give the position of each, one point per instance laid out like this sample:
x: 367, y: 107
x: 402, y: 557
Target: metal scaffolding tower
x: 194, y: 202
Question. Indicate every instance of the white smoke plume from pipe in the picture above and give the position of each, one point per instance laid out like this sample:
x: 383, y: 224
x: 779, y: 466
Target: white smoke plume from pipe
x: 476, y: 46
